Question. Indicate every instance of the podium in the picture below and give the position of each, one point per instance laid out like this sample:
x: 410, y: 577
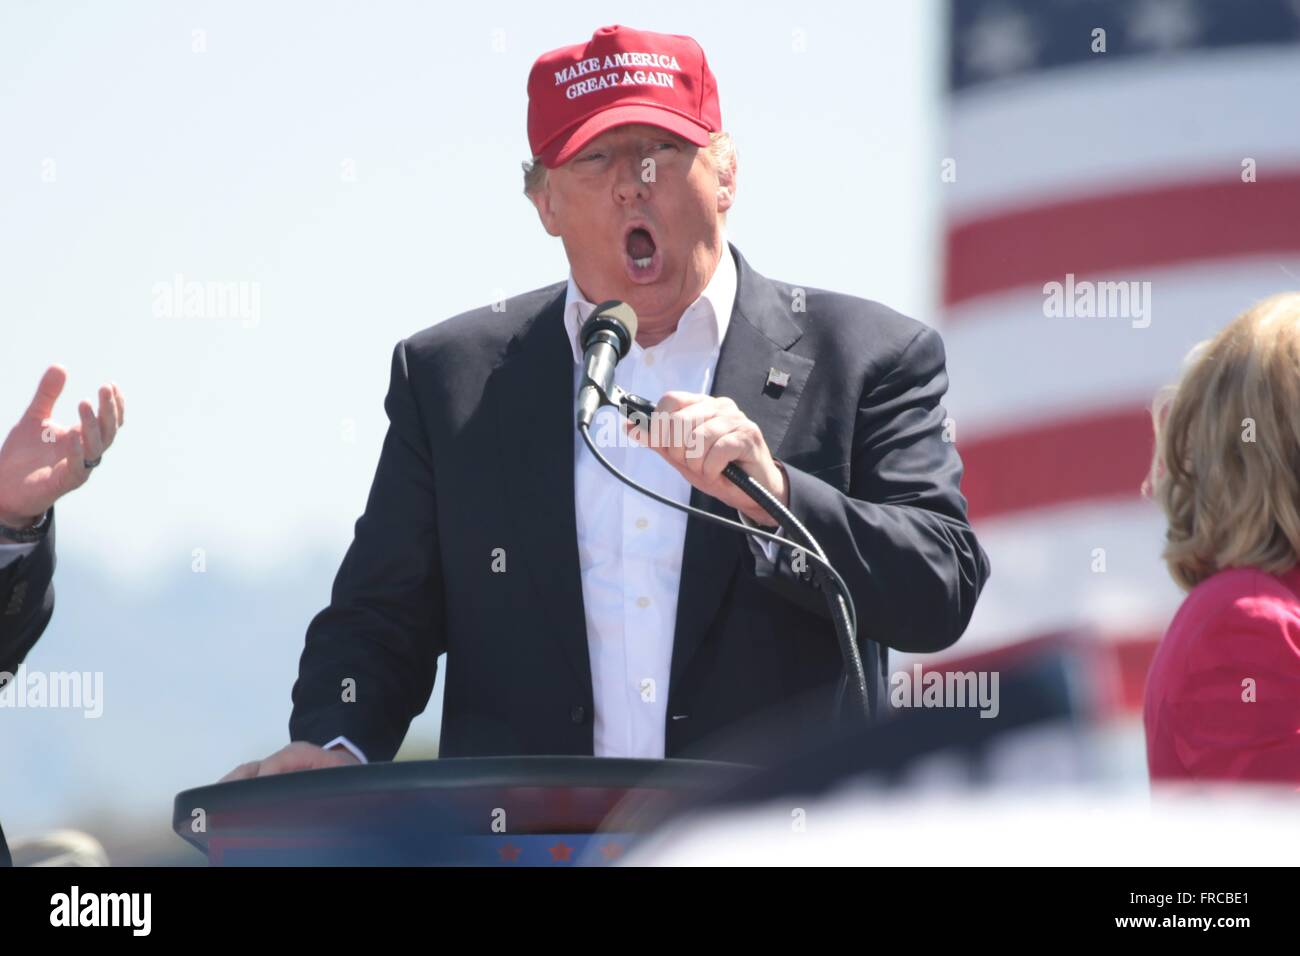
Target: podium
x: 457, y: 811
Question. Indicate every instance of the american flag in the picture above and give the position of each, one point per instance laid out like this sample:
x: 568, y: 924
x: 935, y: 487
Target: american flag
x: 1089, y: 142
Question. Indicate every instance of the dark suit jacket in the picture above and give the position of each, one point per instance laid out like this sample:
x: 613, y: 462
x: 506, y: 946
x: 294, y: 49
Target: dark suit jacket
x: 26, y: 604
x: 479, y: 456
x: 26, y: 600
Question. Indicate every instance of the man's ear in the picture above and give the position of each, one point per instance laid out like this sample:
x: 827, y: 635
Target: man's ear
x: 727, y: 185
x: 545, y: 209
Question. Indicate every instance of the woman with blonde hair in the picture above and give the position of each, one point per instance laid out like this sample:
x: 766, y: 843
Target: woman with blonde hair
x: 1223, y: 694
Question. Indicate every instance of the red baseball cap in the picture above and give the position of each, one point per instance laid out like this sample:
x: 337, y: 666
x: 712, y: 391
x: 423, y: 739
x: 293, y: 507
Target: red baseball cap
x: 619, y: 76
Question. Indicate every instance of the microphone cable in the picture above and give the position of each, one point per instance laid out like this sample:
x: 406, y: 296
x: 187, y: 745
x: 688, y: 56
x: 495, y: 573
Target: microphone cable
x: 842, y: 610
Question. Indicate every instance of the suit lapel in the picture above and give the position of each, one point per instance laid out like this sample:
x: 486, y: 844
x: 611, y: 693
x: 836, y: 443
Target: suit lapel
x: 535, y: 411
x: 758, y: 339
x: 533, y: 394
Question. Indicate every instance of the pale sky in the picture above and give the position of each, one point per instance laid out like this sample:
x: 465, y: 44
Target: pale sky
x: 229, y: 166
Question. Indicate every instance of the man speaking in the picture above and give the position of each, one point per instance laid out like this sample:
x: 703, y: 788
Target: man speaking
x: 578, y: 616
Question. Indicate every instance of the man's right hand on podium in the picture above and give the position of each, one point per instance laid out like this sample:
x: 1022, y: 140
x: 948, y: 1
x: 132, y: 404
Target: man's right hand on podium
x: 299, y: 755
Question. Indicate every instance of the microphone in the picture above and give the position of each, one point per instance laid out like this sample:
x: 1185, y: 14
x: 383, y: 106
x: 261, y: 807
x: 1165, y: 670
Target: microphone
x: 606, y: 337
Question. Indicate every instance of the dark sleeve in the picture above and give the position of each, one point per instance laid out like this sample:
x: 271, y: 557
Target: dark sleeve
x: 900, y: 538
x: 26, y: 600
x: 383, y: 629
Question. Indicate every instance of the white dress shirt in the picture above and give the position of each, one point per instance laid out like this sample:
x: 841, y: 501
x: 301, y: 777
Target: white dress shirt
x: 630, y: 546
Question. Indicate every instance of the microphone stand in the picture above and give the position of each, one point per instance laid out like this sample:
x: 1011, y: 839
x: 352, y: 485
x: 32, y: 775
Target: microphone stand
x: 839, y: 601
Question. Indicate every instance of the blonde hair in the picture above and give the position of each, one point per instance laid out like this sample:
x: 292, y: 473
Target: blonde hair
x: 1226, y: 467
x: 722, y: 149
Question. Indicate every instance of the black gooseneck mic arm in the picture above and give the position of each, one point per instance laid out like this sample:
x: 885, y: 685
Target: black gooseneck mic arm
x: 603, y: 391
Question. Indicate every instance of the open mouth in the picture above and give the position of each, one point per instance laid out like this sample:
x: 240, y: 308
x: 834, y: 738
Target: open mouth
x: 642, y: 257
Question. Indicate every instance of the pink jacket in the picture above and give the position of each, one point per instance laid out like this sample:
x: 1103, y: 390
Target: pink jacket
x: 1223, y: 693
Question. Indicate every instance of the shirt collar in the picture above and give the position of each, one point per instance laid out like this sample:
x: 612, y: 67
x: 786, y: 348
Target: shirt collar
x: 715, y: 302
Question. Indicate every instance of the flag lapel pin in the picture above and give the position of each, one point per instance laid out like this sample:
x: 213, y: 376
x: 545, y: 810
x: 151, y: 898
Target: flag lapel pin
x: 776, y: 382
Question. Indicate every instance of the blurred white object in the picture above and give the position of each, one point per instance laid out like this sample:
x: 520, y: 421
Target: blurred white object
x: 1046, y: 827
x: 59, y: 848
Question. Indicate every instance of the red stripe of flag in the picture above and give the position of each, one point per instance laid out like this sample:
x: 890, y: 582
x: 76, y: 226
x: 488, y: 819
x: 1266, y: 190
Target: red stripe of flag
x: 1155, y: 226
x: 1105, y: 454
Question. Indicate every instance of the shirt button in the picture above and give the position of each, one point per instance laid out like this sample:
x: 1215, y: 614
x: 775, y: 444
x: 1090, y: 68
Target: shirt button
x: 649, y: 358
x: 642, y: 523
x: 643, y: 601
x: 577, y: 713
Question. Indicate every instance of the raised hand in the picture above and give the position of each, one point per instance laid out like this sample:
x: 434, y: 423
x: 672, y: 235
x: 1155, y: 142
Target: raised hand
x: 41, y: 460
